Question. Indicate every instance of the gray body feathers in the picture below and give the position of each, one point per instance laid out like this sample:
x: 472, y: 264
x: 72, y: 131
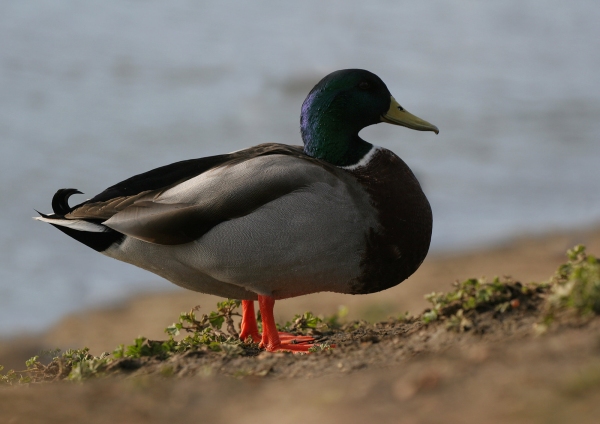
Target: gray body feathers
x: 283, y: 226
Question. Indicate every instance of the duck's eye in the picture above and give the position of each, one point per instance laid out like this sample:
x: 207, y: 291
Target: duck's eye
x: 364, y: 85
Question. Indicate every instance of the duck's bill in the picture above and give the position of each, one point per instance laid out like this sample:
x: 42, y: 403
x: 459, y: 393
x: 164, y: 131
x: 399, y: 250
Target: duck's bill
x: 397, y: 115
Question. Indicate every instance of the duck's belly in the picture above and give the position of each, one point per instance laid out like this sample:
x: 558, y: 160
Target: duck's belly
x: 305, y: 242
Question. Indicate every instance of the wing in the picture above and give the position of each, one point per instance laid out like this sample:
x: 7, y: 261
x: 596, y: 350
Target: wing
x: 184, y: 211
x: 175, y: 173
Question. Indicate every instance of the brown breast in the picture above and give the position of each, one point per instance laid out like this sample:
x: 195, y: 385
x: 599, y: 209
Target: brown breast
x: 397, y: 248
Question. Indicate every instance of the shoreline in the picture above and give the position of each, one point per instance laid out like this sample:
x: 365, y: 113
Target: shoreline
x: 532, y: 258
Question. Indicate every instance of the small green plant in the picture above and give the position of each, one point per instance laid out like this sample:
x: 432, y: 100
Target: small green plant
x: 204, y: 331
x: 143, y: 347
x: 303, y: 324
x: 459, y: 322
x: 215, y: 320
x: 72, y: 364
x: 477, y: 295
x: 93, y: 366
x: 575, y: 288
x: 10, y: 378
x: 310, y: 324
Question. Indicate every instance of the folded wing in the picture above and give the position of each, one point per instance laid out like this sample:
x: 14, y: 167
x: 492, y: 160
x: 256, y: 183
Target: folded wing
x: 185, y: 211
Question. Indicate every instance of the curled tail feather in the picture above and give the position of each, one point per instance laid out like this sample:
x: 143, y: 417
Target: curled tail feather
x: 60, y: 201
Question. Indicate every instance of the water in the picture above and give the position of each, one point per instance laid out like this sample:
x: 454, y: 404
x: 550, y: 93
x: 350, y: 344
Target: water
x: 94, y: 92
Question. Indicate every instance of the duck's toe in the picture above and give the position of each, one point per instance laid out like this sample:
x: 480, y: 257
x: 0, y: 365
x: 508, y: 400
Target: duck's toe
x: 282, y: 347
x: 288, y: 338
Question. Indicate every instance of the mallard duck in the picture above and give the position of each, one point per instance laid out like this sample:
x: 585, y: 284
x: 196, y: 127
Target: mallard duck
x: 273, y: 221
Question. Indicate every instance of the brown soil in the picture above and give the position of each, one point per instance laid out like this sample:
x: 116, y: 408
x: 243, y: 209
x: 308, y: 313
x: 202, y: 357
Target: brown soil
x: 393, y: 371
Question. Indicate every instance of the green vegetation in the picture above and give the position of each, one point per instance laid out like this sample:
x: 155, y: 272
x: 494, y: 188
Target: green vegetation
x: 310, y: 324
x: 576, y: 285
x: 574, y: 289
x: 573, y: 292
x: 474, y: 296
x: 72, y: 364
x: 205, y: 333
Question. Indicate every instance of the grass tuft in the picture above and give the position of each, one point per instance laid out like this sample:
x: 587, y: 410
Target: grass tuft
x: 477, y: 295
x: 576, y: 284
x: 574, y: 289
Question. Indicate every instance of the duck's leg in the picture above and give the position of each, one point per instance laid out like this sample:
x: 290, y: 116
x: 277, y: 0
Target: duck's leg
x: 248, y: 326
x: 270, y: 337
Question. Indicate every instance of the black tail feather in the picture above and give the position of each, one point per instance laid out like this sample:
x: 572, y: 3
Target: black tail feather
x: 43, y: 215
x: 60, y: 201
x: 97, y: 241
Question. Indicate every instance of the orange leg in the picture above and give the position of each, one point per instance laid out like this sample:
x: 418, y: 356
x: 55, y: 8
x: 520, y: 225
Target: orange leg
x: 249, y: 328
x: 270, y: 337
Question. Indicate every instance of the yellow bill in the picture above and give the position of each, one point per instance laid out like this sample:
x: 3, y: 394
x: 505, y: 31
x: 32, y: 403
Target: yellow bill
x: 397, y: 115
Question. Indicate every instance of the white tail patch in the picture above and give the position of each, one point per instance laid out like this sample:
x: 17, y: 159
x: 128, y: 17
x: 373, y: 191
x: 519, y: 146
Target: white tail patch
x: 76, y: 224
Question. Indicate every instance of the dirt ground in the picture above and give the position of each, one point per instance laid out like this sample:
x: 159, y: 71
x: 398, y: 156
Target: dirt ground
x: 393, y: 371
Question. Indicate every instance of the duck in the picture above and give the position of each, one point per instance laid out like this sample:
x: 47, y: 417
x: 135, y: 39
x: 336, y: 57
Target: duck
x: 273, y: 221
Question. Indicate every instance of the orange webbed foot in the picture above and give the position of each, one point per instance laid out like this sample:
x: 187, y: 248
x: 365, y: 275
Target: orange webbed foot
x: 271, y: 340
x: 288, y: 338
x: 287, y: 347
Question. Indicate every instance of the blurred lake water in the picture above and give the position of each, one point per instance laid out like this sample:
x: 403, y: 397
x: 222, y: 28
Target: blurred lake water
x: 94, y: 92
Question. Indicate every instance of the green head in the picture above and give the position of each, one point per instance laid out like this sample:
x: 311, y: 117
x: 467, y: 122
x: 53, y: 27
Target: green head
x: 342, y: 104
